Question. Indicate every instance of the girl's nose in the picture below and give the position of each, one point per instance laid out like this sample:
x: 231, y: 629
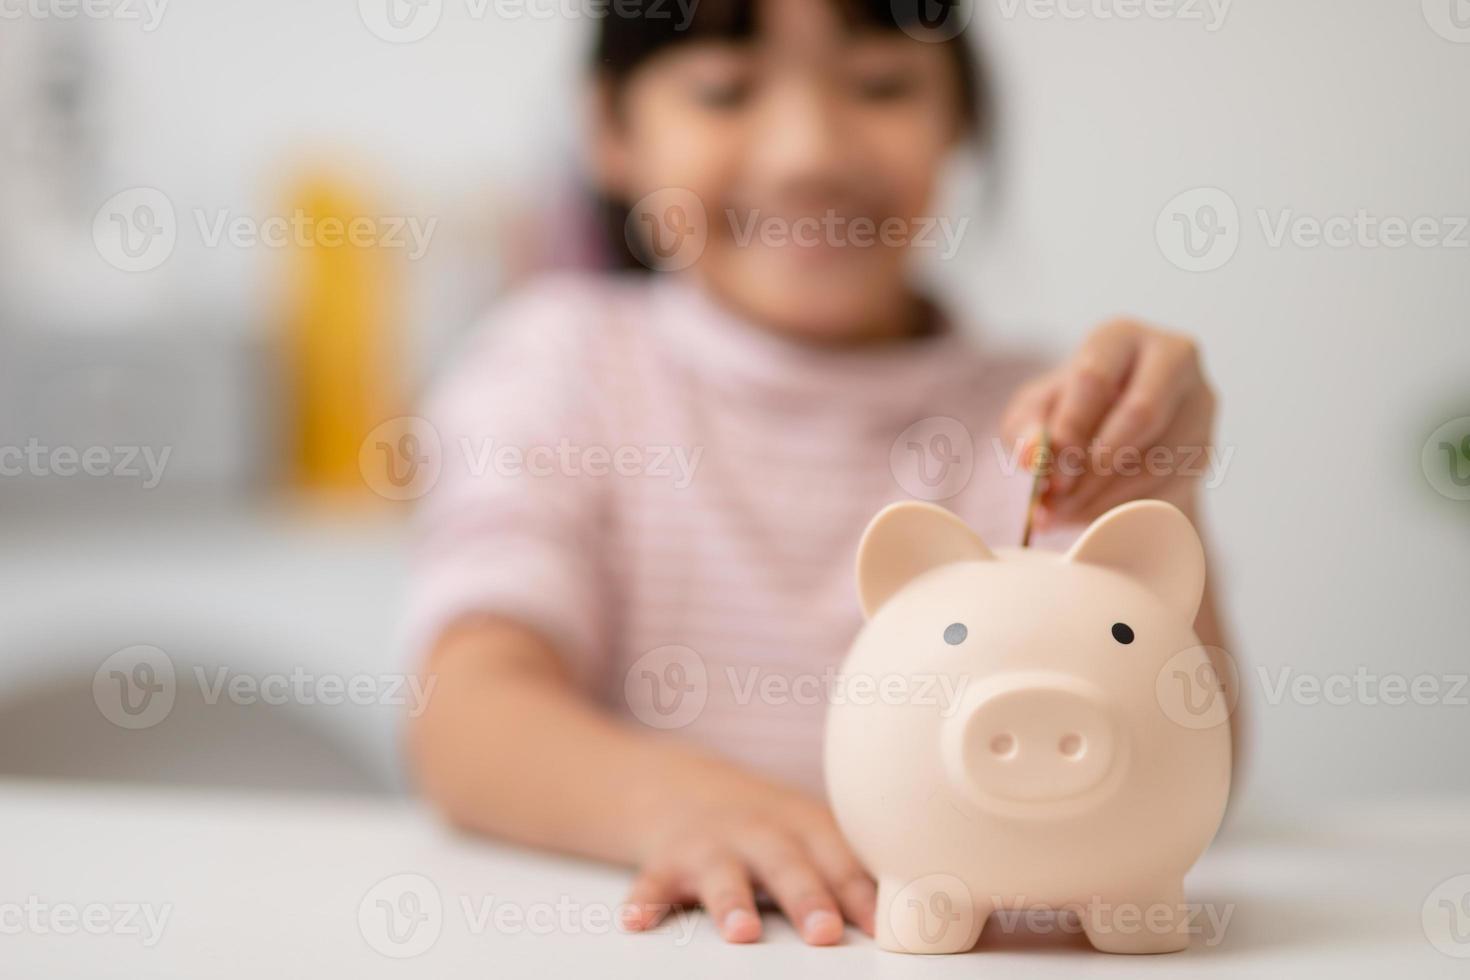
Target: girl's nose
x: 798, y: 137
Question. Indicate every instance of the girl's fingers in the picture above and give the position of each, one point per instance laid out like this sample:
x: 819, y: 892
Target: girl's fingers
x: 649, y: 900
x: 856, y: 893
x: 1090, y: 388
x: 1029, y: 409
x: 723, y: 888
x: 1118, y: 490
x: 1167, y: 371
x: 796, y: 886
x: 858, y: 898
x: 1155, y: 411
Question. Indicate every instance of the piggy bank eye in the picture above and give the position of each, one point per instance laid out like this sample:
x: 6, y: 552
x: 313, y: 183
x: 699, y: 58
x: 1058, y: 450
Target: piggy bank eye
x: 955, y: 633
x: 1123, y: 633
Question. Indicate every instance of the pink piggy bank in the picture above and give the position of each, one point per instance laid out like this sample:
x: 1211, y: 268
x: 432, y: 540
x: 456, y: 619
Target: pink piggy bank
x: 1006, y: 739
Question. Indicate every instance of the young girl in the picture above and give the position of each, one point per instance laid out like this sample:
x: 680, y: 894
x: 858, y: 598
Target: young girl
x: 636, y: 571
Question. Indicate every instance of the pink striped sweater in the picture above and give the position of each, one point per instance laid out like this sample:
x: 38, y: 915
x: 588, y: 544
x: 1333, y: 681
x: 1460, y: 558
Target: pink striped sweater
x: 673, y: 497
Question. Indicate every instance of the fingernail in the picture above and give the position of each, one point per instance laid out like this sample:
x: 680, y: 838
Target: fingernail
x: 821, y: 927
x: 740, y: 926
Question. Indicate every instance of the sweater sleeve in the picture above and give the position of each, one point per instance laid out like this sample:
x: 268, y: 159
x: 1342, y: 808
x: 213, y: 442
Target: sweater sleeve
x: 510, y: 528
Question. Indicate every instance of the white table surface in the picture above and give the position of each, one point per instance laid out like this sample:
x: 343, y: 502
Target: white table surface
x: 256, y: 887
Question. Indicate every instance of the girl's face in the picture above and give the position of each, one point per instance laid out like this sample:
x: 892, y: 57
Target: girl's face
x: 814, y: 151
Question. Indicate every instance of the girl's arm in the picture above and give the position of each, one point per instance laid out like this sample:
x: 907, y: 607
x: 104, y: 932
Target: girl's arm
x: 508, y: 747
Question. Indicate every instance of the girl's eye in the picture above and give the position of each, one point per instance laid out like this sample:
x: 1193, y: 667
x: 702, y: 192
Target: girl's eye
x: 885, y: 87
x: 1123, y: 633
x: 722, y: 95
x: 955, y: 633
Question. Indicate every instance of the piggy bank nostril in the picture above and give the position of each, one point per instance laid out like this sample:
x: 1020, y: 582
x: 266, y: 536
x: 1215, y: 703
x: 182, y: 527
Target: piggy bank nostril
x: 1072, y: 746
x: 1003, y: 745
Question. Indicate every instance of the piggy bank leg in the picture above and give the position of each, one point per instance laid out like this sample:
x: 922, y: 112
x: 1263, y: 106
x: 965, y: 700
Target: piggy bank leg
x: 1150, y: 919
x: 935, y: 913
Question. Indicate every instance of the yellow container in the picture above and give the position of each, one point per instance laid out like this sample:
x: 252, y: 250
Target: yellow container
x: 342, y: 335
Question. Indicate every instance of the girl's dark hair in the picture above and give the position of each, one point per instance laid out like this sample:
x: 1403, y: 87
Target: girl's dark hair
x: 627, y: 39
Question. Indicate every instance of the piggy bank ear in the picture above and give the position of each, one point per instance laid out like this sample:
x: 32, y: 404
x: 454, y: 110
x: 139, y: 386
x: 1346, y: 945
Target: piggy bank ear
x: 1154, y: 543
x: 906, y: 540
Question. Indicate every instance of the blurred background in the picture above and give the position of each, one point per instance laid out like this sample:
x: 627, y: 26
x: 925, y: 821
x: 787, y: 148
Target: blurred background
x: 186, y: 385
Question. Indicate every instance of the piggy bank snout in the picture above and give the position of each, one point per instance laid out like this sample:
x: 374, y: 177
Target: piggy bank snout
x: 1029, y: 740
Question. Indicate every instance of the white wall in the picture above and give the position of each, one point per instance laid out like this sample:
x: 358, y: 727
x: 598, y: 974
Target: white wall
x: 1334, y: 364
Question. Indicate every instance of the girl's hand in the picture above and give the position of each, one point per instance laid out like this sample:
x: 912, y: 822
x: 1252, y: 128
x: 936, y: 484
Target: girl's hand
x: 745, y: 835
x: 1131, y: 416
